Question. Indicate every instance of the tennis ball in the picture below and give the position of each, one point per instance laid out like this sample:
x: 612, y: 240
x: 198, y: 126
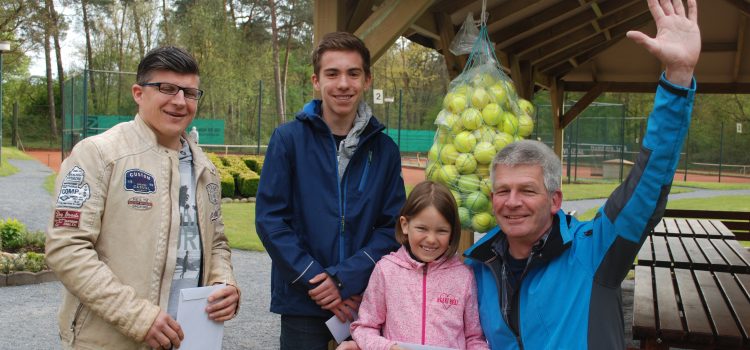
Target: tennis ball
x: 465, y: 217
x: 499, y: 94
x: 465, y: 163
x: 476, y: 202
x: 501, y: 140
x: 443, y: 135
x: 447, y: 99
x: 468, y: 183
x: 483, y: 80
x: 483, y: 170
x: 462, y: 89
x: 464, y: 142
x: 525, y: 125
x: 432, y: 155
x: 480, y: 98
x: 456, y: 104
x: 447, y: 174
x: 431, y: 171
x: 526, y: 106
x: 491, y: 114
x: 481, y: 222
x: 471, y: 119
x: 457, y: 196
x: 485, y: 134
x: 447, y: 154
x: 484, y: 152
x: 485, y: 185
x: 510, y: 123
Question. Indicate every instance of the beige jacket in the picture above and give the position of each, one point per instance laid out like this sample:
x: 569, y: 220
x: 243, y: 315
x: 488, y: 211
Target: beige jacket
x: 113, y: 236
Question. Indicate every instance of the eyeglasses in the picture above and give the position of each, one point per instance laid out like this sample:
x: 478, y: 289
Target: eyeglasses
x: 172, y: 89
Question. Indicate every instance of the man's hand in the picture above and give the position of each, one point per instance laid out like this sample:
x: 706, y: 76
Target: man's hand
x: 343, y: 310
x: 222, y: 304
x: 164, y: 333
x: 326, y: 294
x: 678, y: 40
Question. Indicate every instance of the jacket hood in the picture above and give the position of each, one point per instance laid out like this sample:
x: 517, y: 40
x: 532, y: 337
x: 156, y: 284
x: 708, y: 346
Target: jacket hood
x: 402, y: 258
x: 311, y: 112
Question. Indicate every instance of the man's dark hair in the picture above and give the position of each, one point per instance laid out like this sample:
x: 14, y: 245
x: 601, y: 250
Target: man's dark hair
x: 341, y: 41
x: 166, y: 58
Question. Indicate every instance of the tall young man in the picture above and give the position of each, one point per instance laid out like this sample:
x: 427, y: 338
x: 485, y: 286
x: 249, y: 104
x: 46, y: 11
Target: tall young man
x: 138, y: 218
x: 328, y: 199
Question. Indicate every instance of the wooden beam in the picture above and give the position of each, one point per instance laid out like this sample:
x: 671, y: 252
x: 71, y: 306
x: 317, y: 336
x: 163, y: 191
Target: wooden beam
x: 741, y: 5
x: 572, y: 38
x: 535, y: 22
x: 507, y: 9
x: 425, y: 25
x: 327, y: 17
x: 581, y: 105
x: 556, y: 100
x: 359, y: 12
x: 386, y: 24
x: 718, y: 47
x: 449, y: 6
x: 454, y: 64
x: 650, y: 87
x: 522, y: 78
x: 740, y: 47
x: 563, y: 28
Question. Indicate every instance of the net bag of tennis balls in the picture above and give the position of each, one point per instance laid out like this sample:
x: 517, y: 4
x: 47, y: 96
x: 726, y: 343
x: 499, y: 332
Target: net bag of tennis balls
x: 481, y: 114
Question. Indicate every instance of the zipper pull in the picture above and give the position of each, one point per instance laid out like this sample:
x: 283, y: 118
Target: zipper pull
x: 342, y: 224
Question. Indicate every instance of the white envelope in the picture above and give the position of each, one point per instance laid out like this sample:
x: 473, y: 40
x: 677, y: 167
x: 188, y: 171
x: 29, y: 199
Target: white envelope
x: 201, y: 333
x: 340, y: 330
x: 420, y: 347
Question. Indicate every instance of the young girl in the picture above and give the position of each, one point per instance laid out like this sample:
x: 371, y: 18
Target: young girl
x: 422, y: 293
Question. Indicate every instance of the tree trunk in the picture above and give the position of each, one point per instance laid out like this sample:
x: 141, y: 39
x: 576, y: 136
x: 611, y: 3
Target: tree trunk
x: 89, y: 53
x: 58, y: 54
x: 165, y: 22
x: 138, y: 34
x: 50, y: 81
x: 286, y: 53
x: 276, y: 71
x: 121, y: 56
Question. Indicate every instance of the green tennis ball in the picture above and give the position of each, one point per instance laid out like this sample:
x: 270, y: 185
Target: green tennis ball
x: 485, y: 185
x: 501, y: 140
x: 484, y: 152
x: 468, y: 183
x: 447, y: 154
x: 447, y: 174
x: 526, y: 106
x: 510, y: 123
x: 465, y: 163
x: 482, y: 222
x: 480, y: 98
x: 525, y: 125
x: 465, y: 216
x: 476, y: 202
x: 457, y: 196
x: 471, y: 119
x: 464, y: 142
x: 456, y: 103
x: 491, y: 114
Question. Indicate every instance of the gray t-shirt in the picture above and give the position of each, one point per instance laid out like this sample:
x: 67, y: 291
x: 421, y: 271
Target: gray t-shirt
x: 189, y: 250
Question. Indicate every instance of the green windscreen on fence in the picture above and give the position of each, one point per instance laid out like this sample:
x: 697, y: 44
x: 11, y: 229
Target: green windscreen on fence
x: 210, y: 131
x: 412, y: 140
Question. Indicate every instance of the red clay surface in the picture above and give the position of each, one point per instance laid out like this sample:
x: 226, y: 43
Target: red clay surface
x: 413, y: 170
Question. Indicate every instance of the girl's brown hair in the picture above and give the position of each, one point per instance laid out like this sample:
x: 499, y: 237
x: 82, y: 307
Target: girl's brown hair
x: 424, y: 195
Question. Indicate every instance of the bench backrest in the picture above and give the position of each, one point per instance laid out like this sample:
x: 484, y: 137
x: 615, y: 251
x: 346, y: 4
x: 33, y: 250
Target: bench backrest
x: 737, y: 221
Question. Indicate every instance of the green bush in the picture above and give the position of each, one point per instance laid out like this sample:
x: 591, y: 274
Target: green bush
x: 34, y: 240
x: 12, y: 234
x: 227, y: 184
x: 248, y: 184
x: 34, y: 262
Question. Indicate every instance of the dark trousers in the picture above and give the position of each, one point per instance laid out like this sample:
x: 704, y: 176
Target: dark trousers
x: 304, y: 332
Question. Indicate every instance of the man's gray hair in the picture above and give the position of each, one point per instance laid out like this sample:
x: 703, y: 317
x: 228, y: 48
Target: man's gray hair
x: 530, y: 152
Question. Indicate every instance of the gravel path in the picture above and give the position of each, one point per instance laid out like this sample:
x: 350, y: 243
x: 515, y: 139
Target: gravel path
x: 28, y: 314
x: 22, y: 195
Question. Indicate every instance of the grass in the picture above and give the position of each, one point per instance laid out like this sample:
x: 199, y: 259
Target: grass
x: 733, y: 203
x: 7, y: 169
x: 239, y: 226
x: 712, y: 185
x: 49, y: 183
x: 576, y: 191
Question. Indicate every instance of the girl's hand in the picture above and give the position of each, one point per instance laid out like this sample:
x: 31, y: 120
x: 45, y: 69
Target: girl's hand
x: 348, y: 345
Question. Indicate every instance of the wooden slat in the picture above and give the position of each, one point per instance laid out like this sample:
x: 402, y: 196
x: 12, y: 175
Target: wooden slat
x: 685, y: 229
x: 698, y: 326
x: 679, y: 256
x: 661, y: 252
x: 738, y: 301
x: 744, y: 281
x: 726, y: 232
x: 712, y: 255
x: 740, y: 250
x: 727, y: 332
x: 730, y: 256
x: 698, y: 229
x: 646, y: 254
x: 697, y: 259
x: 644, y: 318
x: 671, y: 226
x: 660, y: 228
x: 670, y: 325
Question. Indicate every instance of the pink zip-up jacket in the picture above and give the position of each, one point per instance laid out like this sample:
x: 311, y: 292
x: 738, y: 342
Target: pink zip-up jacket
x: 413, y: 302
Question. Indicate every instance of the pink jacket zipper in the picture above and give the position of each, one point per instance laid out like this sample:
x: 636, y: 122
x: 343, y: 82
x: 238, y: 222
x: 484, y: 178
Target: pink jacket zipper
x: 424, y: 302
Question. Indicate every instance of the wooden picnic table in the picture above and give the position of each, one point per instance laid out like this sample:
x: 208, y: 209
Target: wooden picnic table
x: 692, y: 287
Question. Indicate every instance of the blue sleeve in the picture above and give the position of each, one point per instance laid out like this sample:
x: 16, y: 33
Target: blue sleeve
x: 354, y: 272
x: 634, y: 208
x: 273, y: 212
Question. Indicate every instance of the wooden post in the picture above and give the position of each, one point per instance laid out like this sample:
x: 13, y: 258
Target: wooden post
x: 465, y: 242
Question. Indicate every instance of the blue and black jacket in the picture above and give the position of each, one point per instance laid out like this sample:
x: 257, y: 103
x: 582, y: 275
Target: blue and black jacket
x: 311, y: 221
x: 569, y: 295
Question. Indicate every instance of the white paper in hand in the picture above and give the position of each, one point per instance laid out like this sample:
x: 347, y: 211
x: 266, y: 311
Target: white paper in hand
x: 340, y: 330
x: 201, y: 333
x: 411, y: 346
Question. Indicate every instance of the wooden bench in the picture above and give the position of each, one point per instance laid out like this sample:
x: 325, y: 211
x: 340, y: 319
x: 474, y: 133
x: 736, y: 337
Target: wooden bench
x: 737, y: 221
x: 695, y: 309
x: 695, y: 253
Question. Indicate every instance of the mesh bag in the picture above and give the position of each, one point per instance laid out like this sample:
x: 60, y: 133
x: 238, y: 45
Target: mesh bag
x: 481, y: 114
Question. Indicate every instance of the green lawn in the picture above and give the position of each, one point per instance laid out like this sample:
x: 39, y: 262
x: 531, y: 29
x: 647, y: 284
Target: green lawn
x: 49, y: 184
x: 239, y: 226
x: 712, y: 185
x: 576, y: 191
x: 733, y: 203
x: 7, y: 169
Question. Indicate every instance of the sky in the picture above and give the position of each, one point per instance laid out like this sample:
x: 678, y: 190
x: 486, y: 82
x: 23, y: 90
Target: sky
x: 73, y: 39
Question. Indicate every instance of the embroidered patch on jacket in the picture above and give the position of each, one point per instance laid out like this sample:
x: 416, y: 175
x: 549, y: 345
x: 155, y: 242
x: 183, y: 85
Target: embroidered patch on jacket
x: 447, y: 300
x: 140, y: 203
x: 66, y: 218
x: 214, y: 196
x: 139, y: 181
x: 73, y: 192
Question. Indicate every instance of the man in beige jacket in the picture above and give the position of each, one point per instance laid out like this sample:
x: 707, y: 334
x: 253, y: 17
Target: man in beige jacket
x: 138, y: 218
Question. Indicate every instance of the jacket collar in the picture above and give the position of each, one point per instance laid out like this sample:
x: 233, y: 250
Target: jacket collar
x: 557, y: 241
x: 148, y: 138
x: 312, y: 114
x: 402, y: 258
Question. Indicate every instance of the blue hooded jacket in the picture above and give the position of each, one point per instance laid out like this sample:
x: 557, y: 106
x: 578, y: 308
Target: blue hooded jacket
x: 569, y: 296
x: 311, y: 221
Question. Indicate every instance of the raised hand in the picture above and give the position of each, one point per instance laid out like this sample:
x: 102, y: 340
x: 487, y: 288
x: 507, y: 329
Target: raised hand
x: 678, y: 40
